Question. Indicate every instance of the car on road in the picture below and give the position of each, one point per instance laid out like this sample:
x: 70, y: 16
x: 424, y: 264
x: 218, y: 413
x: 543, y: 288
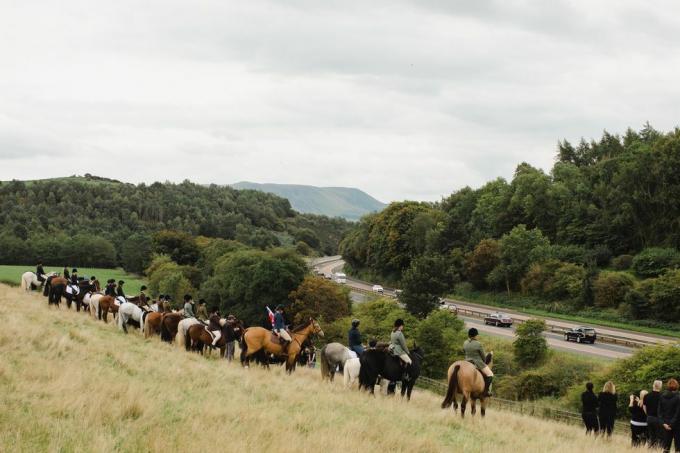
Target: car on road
x: 340, y: 277
x: 378, y: 289
x: 581, y: 335
x: 498, y: 319
x: 443, y: 305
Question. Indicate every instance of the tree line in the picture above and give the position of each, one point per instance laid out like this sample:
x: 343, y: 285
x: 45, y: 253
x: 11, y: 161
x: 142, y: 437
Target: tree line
x: 95, y: 221
x: 599, y: 232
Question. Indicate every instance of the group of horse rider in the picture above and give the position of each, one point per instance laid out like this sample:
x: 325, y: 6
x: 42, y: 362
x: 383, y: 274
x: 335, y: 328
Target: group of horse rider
x: 474, y: 351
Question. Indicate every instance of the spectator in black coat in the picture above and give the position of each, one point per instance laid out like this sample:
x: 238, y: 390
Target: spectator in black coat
x: 669, y: 414
x: 589, y: 412
x: 651, y: 406
x: 607, y: 409
x: 638, y: 419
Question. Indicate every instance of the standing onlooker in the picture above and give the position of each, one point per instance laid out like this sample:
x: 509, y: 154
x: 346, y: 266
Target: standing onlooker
x: 589, y: 412
x: 638, y: 418
x: 607, y: 410
x: 229, y: 353
x: 651, y: 407
x: 669, y: 409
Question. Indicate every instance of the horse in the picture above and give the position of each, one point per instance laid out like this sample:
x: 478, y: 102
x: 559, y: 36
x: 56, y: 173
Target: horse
x: 379, y: 362
x: 130, y: 312
x: 333, y: 355
x: 466, y: 380
x: 256, y: 339
x: 30, y: 279
x: 169, y: 322
x: 152, y: 324
x: 182, y: 328
x: 351, y: 371
x: 198, y: 337
x: 78, y: 293
x: 107, y: 304
x: 55, y: 288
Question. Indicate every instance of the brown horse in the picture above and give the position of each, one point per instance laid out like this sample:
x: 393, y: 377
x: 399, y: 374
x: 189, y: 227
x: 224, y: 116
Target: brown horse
x: 256, y: 339
x: 197, y: 337
x: 55, y: 288
x: 466, y: 380
x: 107, y: 304
x: 152, y: 324
x: 168, y: 326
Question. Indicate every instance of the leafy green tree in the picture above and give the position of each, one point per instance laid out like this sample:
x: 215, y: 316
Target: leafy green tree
x: 610, y: 288
x: 483, y: 259
x: 531, y: 348
x: 179, y: 246
x: 516, y: 247
x: 652, y: 262
x: 439, y: 335
x: 135, y: 254
x: 320, y: 299
x: 425, y: 281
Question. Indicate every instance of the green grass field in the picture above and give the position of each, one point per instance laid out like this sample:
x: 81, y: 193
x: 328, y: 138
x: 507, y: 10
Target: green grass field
x: 12, y: 275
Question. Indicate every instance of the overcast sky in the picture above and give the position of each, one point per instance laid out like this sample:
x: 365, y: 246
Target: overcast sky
x: 401, y: 99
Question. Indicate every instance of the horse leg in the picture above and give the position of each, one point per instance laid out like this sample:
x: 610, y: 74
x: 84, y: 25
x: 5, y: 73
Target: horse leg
x: 463, y: 404
x: 473, y: 406
x: 483, y: 408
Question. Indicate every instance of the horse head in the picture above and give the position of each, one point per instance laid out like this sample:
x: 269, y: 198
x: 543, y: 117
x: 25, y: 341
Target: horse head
x: 316, y: 328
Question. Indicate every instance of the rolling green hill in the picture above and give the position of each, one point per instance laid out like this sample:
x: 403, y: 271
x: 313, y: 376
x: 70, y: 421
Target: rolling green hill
x: 345, y: 202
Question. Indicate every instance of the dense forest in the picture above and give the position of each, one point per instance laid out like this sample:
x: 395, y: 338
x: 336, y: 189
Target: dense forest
x: 600, y: 231
x: 96, y: 221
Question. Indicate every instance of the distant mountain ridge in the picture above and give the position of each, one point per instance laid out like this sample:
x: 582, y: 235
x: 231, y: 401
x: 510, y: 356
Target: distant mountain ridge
x: 346, y: 202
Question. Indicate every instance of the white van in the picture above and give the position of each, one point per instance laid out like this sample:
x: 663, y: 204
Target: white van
x: 340, y: 277
x: 378, y: 289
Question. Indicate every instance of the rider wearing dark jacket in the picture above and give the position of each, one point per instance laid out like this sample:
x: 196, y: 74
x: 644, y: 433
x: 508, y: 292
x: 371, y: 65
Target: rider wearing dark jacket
x: 119, y: 290
x: 354, y: 338
x: 214, y: 325
x: 74, y: 277
x: 669, y: 416
x: 110, y: 289
x: 40, y: 272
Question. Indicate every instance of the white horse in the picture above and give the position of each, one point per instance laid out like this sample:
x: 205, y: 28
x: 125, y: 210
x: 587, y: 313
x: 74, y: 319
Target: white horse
x: 93, y: 303
x: 30, y: 278
x: 130, y: 311
x: 351, y: 372
x: 183, y: 328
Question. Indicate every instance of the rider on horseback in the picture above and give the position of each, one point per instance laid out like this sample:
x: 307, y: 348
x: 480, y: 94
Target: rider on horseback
x: 40, y: 273
x: 474, y: 353
x: 398, y: 346
x: 354, y: 337
x: 188, y: 306
x: 143, y: 301
x: 110, y: 289
x: 280, y: 327
x: 74, y: 277
x: 214, y: 326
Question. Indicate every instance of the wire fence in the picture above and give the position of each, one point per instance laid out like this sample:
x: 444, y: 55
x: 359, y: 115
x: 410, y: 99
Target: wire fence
x: 520, y: 407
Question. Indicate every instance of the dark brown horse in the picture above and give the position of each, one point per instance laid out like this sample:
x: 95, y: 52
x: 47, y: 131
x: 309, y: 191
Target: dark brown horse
x: 55, y: 288
x: 256, y: 339
x: 197, y: 337
x: 466, y: 380
x: 168, y: 327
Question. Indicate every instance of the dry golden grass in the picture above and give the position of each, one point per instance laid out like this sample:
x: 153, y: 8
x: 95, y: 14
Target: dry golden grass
x: 69, y: 383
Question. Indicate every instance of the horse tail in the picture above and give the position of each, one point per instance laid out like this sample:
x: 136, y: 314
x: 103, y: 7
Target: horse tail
x: 23, y: 283
x: 147, y: 329
x: 165, y: 332
x: 453, y: 388
x: 187, y: 339
x: 179, y: 338
x: 325, y: 365
x: 244, y: 346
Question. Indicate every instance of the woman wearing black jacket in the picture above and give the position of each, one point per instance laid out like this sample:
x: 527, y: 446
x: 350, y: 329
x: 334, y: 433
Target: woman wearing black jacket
x: 669, y: 414
x: 638, y: 419
x: 589, y: 412
x: 607, y: 410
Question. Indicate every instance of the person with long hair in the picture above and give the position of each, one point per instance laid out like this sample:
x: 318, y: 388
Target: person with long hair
x: 669, y: 412
x: 607, y: 410
x: 638, y: 418
x: 589, y: 412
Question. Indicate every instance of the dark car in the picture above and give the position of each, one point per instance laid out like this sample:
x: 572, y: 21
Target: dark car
x: 498, y: 320
x: 581, y: 335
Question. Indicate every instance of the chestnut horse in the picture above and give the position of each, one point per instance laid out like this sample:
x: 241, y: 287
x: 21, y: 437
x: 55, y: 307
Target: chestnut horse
x: 168, y: 327
x: 256, y: 339
x: 466, y: 380
x: 152, y: 324
x: 104, y: 305
x: 55, y: 288
x: 197, y: 337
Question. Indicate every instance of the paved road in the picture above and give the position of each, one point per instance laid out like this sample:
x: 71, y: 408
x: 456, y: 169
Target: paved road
x: 328, y: 265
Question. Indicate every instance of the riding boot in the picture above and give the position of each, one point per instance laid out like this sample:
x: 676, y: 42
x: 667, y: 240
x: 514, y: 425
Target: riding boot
x: 284, y: 346
x: 487, y: 385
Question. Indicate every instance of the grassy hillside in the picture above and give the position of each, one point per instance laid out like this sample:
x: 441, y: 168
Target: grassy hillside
x: 345, y: 202
x: 74, y: 384
x: 12, y: 275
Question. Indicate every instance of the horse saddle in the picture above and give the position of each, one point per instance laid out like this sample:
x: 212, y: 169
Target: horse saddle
x: 276, y: 339
x: 120, y: 300
x: 207, y: 329
x: 72, y: 289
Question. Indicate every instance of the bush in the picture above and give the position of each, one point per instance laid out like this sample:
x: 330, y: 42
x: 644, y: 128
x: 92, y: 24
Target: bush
x: 530, y: 346
x: 652, y: 262
x: 439, y: 335
x: 622, y: 262
x: 135, y: 254
x: 319, y: 298
x: 601, y: 255
x: 610, y: 288
x: 554, y: 280
x: 179, y: 246
x: 663, y: 294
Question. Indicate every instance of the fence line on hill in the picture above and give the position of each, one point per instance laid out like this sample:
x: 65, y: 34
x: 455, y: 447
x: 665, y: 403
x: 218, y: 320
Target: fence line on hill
x: 520, y: 407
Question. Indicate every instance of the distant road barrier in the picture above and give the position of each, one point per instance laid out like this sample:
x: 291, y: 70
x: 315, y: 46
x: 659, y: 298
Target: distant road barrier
x: 520, y: 407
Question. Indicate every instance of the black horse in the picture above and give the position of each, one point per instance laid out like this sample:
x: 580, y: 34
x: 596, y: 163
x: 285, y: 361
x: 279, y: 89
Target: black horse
x: 380, y: 363
x: 84, y: 287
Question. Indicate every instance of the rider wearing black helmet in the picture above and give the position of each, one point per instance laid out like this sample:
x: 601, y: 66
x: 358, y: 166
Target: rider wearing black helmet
x: 474, y: 353
x: 354, y: 338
